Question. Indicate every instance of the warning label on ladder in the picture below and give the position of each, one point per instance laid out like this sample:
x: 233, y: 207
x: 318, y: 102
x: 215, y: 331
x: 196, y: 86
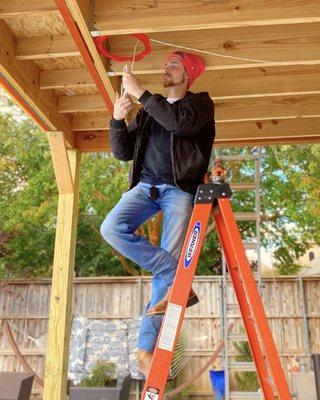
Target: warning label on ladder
x: 170, y: 326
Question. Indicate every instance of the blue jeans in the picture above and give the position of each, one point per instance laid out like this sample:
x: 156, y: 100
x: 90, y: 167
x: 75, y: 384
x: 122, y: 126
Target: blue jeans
x: 132, y: 210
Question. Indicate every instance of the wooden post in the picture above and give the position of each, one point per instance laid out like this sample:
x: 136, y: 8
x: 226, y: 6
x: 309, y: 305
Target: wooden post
x: 66, y: 168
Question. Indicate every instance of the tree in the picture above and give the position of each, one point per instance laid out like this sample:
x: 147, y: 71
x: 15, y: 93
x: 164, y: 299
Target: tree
x: 28, y: 205
x: 291, y: 200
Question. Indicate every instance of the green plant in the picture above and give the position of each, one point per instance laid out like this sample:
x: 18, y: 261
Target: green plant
x: 102, y: 375
x: 247, y: 380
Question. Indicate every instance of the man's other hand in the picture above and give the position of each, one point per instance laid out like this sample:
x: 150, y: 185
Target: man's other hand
x: 122, y: 106
x: 131, y: 85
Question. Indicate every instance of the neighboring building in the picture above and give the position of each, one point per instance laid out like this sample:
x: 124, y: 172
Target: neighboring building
x: 311, y: 261
x: 312, y: 254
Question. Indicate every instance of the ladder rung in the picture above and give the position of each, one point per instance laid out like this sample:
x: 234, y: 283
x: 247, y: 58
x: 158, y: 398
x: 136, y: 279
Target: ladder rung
x: 245, y: 216
x: 243, y: 185
x: 250, y: 246
x: 238, y: 157
x: 238, y: 336
x: 242, y: 366
x: 232, y: 306
x: 245, y: 395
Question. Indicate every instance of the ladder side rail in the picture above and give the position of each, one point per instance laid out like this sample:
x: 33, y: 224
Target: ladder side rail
x: 254, y: 300
x: 172, y: 321
x: 243, y: 305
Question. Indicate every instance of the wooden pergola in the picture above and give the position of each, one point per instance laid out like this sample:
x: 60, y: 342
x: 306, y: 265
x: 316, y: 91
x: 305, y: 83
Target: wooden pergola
x: 51, y: 68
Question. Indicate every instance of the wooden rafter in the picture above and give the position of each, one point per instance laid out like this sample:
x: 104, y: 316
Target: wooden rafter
x: 18, y: 7
x: 127, y: 16
x: 21, y: 80
x: 295, y: 45
x: 229, y: 109
x: 75, y: 15
x: 237, y: 82
x: 259, y: 132
x: 60, y: 161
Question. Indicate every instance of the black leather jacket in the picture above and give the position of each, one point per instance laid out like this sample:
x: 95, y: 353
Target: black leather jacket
x: 191, y: 124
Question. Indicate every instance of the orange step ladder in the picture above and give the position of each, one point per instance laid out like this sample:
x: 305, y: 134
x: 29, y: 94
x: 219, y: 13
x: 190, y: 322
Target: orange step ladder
x: 215, y: 197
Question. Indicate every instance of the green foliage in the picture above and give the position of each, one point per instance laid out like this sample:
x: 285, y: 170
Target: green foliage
x: 28, y: 204
x: 102, y: 375
x: 246, y: 380
x: 290, y: 183
x: 28, y: 200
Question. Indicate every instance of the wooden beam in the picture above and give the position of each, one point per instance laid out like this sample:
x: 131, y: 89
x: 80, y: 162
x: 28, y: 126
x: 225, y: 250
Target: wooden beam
x: 55, y: 385
x: 258, y: 132
x: 226, y: 110
x: 91, y: 122
x: 75, y: 15
x: 126, y: 16
x: 295, y: 44
x: 60, y: 161
x: 18, y: 7
x: 221, y: 84
x: 256, y: 82
x: 93, y: 141
x: 21, y: 80
x: 278, y: 131
x: 290, y: 45
x: 81, y: 103
x: 32, y: 48
x: 59, y: 79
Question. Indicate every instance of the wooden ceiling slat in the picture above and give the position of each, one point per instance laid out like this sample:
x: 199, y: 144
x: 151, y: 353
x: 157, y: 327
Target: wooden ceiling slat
x: 270, y: 108
x: 81, y: 103
x: 46, y: 47
x: 287, y: 131
x: 23, y: 76
x: 11, y: 8
x: 250, y: 82
x: 59, y: 79
x: 132, y: 16
x: 295, y: 45
x: 258, y: 81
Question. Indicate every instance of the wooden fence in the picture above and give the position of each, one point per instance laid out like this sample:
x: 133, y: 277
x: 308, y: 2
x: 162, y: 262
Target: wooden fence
x: 292, y: 305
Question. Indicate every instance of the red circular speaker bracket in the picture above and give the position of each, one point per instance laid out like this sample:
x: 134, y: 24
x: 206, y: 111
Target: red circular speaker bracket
x: 100, y: 44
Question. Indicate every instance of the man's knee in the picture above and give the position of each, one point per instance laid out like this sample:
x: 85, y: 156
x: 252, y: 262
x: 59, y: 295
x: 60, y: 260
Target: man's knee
x: 107, y: 229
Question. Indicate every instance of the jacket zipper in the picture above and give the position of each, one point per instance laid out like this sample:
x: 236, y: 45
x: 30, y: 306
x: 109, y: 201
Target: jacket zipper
x: 171, y: 150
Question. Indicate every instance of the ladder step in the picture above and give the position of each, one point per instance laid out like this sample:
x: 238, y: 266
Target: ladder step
x: 240, y: 336
x: 243, y: 185
x: 238, y: 157
x: 242, y: 366
x: 245, y: 395
x: 245, y: 216
x: 250, y: 246
x: 232, y: 306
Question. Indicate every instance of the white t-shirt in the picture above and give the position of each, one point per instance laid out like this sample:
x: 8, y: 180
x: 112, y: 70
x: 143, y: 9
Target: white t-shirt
x: 172, y: 99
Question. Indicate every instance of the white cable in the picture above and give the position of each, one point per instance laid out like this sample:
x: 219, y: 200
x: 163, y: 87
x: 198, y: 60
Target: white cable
x: 215, y: 54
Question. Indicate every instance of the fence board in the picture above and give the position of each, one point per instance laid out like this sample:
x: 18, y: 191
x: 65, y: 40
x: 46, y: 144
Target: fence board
x: 26, y: 304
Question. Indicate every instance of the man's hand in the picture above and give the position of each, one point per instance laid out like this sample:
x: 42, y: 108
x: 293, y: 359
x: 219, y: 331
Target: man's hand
x: 122, y: 106
x: 131, y: 85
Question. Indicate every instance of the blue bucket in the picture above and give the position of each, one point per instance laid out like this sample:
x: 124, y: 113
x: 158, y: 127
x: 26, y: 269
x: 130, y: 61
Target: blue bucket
x: 218, y: 384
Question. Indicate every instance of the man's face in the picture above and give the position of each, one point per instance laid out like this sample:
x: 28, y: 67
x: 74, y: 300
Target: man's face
x: 174, y: 73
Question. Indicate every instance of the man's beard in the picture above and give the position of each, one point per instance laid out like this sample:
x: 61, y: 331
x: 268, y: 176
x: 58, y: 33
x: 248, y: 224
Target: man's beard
x: 168, y: 81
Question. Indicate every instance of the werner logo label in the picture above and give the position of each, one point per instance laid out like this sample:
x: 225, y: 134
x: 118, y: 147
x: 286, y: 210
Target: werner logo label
x: 193, y: 243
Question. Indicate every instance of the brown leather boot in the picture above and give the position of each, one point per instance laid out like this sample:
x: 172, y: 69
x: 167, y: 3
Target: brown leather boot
x: 144, y: 361
x: 160, y: 307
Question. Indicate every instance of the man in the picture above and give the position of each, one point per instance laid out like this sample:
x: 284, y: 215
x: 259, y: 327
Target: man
x: 170, y: 143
